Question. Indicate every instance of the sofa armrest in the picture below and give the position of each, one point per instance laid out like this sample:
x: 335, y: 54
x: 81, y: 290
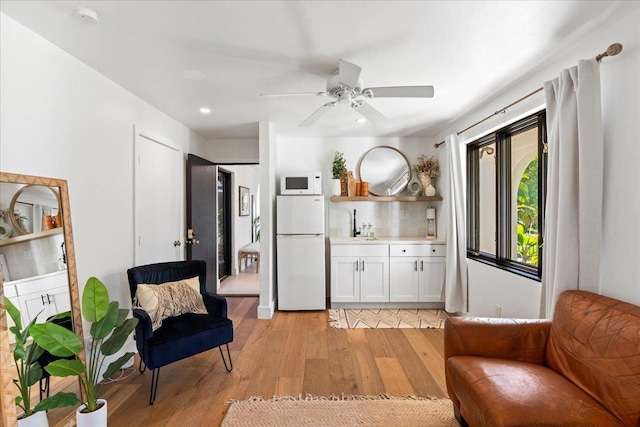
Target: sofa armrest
x: 144, y: 330
x: 215, y: 304
x: 522, y: 340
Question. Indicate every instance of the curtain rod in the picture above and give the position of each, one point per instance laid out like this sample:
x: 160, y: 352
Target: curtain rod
x: 612, y: 50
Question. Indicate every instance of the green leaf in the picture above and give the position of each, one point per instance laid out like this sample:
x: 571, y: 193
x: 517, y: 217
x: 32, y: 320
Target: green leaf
x: 14, y: 313
x: 116, y: 365
x: 95, y: 300
x: 104, y: 326
x: 119, y: 337
x: 56, y: 339
x: 34, y: 373
x: 59, y: 400
x: 122, y: 316
x: 19, y: 353
x: 65, y: 367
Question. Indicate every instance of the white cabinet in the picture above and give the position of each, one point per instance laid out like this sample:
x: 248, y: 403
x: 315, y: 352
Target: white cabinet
x: 359, y: 273
x: 416, y: 273
x: 41, y: 296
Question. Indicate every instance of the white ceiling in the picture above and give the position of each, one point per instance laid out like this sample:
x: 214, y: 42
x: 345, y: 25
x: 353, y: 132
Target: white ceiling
x: 182, y: 55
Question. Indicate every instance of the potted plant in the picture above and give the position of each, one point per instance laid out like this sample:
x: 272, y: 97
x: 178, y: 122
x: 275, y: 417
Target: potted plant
x: 110, y: 328
x: 427, y: 168
x: 338, y: 169
x: 29, y: 373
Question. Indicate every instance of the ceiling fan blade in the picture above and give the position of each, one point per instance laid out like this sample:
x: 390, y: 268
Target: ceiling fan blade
x: 349, y: 73
x: 317, y: 114
x: 293, y: 94
x: 369, y: 113
x: 399, y: 92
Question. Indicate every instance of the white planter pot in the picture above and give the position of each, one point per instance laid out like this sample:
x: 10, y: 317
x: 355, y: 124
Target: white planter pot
x: 92, y: 419
x: 335, y: 187
x: 37, y: 419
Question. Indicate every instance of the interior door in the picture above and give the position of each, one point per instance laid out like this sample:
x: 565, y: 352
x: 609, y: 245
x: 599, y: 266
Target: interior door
x: 202, y: 194
x: 158, y: 171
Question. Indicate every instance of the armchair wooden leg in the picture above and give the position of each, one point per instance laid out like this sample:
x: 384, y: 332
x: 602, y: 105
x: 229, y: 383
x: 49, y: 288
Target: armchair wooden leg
x: 229, y: 368
x: 155, y: 376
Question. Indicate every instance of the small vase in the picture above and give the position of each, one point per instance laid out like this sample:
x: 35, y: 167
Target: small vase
x: 335, y: 187
x: 344, y: 184
x: 97, y: 418
x: 351, y: 185
x: 414, y: 186
x: 429, y: 189
x: 37, y: 419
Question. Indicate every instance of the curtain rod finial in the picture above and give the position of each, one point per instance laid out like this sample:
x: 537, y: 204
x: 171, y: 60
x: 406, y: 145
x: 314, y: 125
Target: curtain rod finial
x: 612, y: 50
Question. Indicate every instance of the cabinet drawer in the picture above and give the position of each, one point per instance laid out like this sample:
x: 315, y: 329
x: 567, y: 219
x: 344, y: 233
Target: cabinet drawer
x: 359, y: 250
x: 417, y: 250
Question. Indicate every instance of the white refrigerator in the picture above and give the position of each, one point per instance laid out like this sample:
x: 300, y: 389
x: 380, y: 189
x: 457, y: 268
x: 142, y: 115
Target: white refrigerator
x: 300, y: 252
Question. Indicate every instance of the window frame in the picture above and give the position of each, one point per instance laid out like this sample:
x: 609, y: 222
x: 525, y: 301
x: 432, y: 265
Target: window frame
x: 503, y: 226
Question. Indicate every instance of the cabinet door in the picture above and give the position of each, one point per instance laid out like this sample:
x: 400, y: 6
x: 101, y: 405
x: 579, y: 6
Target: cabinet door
x: 431, y: 279
x: 33, y: 305
x: 345, y: 279
x: 404, y: 279
x: 374, y: 279
x: 59, y: 300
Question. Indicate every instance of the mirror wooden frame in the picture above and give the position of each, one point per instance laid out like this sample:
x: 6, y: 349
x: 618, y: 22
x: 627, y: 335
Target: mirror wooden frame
x: 7, y: 370
x: 372, y: 185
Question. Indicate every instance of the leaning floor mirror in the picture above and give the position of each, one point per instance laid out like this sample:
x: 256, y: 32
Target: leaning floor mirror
x: 38, y: 276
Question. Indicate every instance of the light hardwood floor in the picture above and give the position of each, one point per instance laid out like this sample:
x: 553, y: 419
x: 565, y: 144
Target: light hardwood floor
x: 294, y: 353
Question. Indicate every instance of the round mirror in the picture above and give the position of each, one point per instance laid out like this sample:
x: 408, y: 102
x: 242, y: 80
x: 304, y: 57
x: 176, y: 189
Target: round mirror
x: 35, y: 208
x: 386, y: 170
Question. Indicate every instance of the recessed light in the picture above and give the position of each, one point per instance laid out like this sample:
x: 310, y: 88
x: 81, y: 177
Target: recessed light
x: 205, y: 110
x: 86, y: 15
x: 361, y: 120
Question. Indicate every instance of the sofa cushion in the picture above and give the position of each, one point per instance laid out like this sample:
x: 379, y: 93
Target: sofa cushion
x: 499, y: 392
x: 594, y: 342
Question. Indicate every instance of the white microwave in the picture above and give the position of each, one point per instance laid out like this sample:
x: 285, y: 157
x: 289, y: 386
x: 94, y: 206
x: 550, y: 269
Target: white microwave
x: 301, y: 183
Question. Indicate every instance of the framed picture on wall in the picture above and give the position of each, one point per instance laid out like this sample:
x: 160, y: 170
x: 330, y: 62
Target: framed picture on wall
x: 243, y: 195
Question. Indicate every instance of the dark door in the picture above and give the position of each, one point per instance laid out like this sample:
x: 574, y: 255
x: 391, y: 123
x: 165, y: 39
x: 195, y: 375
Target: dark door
x: 202, y: 181
x: 225, y: 217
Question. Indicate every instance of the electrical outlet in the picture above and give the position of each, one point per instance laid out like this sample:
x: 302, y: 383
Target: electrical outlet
x: 404, y: 215
x: 498, y: 311
x: 28, y: 254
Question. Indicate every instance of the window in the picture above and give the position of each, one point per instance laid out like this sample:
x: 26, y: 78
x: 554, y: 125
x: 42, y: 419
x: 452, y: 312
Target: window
x: 506, y: 181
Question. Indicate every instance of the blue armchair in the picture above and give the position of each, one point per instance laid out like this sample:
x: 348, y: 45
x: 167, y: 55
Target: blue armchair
x: 181, y: 336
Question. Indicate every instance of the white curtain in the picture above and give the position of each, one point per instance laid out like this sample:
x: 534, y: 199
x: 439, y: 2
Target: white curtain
x: 573, y: 224
x: 456, y: 264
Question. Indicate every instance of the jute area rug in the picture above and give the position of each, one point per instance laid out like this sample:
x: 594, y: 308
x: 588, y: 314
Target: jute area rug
x: 341, y: 411
x: 385, y: 318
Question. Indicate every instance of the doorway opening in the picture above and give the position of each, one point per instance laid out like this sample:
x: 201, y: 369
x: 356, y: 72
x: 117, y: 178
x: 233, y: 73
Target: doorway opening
x: 241, y: 218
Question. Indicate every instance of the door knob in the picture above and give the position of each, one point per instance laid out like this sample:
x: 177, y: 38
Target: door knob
x: 177, y: 243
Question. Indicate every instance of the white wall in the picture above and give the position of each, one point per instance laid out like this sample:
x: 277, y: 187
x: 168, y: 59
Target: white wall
x: 62, y: 119
x: 621, y: 211
x: 268, y: 164
x: 229, y: 151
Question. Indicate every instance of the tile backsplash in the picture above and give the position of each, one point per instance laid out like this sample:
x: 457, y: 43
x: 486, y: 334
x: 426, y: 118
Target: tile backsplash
x: 34, y: 257
x: 397, y: 219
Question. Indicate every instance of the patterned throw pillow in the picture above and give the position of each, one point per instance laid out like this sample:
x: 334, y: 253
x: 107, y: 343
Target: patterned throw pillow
x: 169, y: 299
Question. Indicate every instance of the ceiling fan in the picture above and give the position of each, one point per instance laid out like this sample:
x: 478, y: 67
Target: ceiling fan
x: 345, y: 85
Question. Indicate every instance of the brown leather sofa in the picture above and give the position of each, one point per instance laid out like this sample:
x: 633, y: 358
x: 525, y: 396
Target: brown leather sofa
x: 581, y: 369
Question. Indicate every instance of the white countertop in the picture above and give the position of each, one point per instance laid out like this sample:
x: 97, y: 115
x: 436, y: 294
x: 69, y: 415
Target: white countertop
x: 383, y: 240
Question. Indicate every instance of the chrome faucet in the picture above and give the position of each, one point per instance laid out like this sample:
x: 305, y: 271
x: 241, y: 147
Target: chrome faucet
x: 355, y: 229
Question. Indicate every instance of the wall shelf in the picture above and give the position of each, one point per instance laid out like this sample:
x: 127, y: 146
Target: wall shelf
x: 386, y: 199
x: 30, y: 236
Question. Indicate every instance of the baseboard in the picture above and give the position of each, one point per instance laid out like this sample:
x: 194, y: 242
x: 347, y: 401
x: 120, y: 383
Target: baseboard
x: 266, y: 311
